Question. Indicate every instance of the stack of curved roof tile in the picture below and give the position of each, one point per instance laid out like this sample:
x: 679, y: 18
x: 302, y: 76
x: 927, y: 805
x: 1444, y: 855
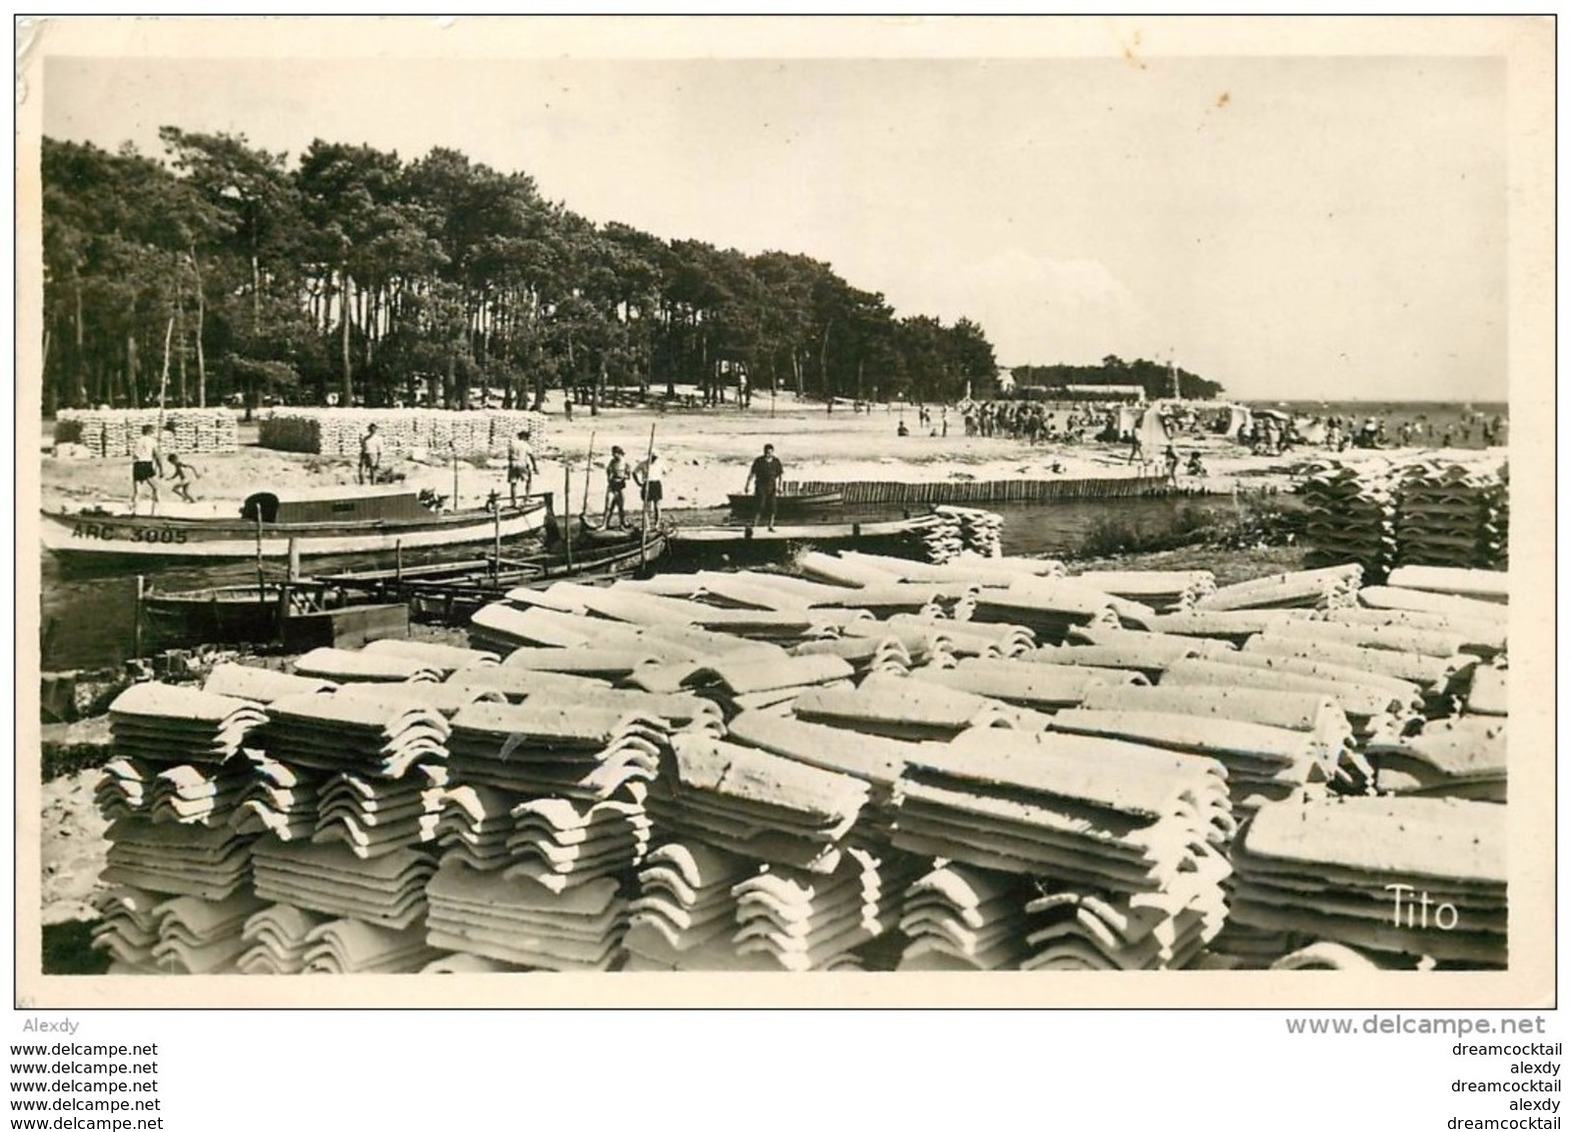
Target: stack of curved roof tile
x: 559, y: 844
x: 200, y: 937
x: 516, y: 685
x: 1088, y: 811
x: 1050, y: 608
x: 924, y: 640
x: 280, y: 800
x: 516, y: 920
x: 374, y: 816
x: 1329, y: 587
x: 757, y: 804
x: 901, y: 707
x: 1441, y: 515
x: 447, y: 699
x: 169, y: 724
x: 446, y: 659
x: 1351, y: 517
x: 868, y: 758
x: 182, y: 860
x: 356, y: 734
x: 981, y: 532
x: 969, y: 638
x: 204, y: 795
x: 353, y: 947
x: 260, y: 685
x: 1079, y: 931
x: 1263, y: 763
x: 744, y: 684
x: 475, y: 825
x: 684, y: 916
x: 796, y: 921
x: 1334, y: 870
x: 341, y: 665
x: 589, y: 754
x: 127, y: 928
x: 1316, y: 716
x: 1041, y: 686
x: 885, y: 653
x: 959, y: 917
x: 1372, y: 705
x: 388, y: 890
x: 277, y: 938
x: 1494, y: 551
x: 1166, y: 591
x: 1463, y: 757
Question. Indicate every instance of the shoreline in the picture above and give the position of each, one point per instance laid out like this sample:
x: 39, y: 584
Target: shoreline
x: 708, y: 455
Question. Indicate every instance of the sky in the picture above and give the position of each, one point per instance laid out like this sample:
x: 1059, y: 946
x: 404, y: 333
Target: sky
x: 1313, y: 227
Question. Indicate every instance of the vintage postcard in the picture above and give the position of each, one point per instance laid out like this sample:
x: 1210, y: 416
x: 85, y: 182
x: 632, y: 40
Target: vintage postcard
x: 779, y: 511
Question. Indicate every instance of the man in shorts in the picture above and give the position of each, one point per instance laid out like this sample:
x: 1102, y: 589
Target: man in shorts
x: 370, y: 455
x: 147, y: 464
x: 521, y: 465
x: 763, y: 480
x: 649, y: 476
x: 616, y: 476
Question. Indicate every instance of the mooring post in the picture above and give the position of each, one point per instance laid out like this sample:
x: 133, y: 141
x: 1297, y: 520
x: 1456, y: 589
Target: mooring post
x: 136, y: 617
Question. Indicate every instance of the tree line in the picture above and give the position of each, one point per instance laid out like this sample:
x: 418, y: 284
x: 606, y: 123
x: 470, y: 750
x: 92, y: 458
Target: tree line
x: 1154, y: 377
x: 221, y: 269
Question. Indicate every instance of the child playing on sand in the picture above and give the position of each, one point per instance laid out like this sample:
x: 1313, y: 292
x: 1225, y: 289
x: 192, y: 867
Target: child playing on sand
x: 182, y: 474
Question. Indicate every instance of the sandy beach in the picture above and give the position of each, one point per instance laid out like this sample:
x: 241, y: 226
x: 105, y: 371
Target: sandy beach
x: 708, y: 454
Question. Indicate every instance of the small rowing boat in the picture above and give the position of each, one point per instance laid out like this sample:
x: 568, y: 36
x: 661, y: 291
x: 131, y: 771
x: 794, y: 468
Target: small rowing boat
x: 789, y: 504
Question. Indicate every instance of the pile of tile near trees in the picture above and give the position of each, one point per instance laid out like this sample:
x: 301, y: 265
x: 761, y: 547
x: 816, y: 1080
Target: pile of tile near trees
x: 112, y: 432
x: 1425, y: 513
x: 338, y: 432
x: 882, y: 765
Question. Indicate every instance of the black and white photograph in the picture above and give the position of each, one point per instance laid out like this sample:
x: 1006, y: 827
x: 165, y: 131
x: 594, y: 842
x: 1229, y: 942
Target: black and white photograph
x: 528, y: 500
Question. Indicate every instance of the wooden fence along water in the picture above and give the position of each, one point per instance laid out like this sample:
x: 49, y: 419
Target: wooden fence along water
x: 865, y: 492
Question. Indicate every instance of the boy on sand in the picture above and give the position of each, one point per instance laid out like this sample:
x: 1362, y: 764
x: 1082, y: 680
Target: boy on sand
x: 763, y: 479
x: 182, y: 473
x: 147, y: 464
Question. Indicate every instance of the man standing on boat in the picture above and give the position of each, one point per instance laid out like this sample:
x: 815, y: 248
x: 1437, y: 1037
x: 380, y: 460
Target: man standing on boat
x: 649, y: 475
x: 616, y: 473
x: 370, y: 455
x: 147, y: 464
x: 763, y: 480
x: 521, y: 465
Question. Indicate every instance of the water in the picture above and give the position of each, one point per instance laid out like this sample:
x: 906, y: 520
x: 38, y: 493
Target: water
x: 88, y: 620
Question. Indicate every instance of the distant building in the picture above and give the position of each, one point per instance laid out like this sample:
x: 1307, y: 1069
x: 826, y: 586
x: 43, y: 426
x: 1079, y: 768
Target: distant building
x: 1106, y: 392
x: 1006, y: 382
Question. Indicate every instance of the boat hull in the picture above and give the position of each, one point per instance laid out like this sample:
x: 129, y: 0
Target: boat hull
x: 85, y: 539
x: 790, y: 504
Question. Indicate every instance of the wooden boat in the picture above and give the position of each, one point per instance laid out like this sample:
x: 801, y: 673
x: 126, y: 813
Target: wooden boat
x: 297, y: 614
x: 321, y: 522
x: 790, y: 504
x: 454, y: 591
